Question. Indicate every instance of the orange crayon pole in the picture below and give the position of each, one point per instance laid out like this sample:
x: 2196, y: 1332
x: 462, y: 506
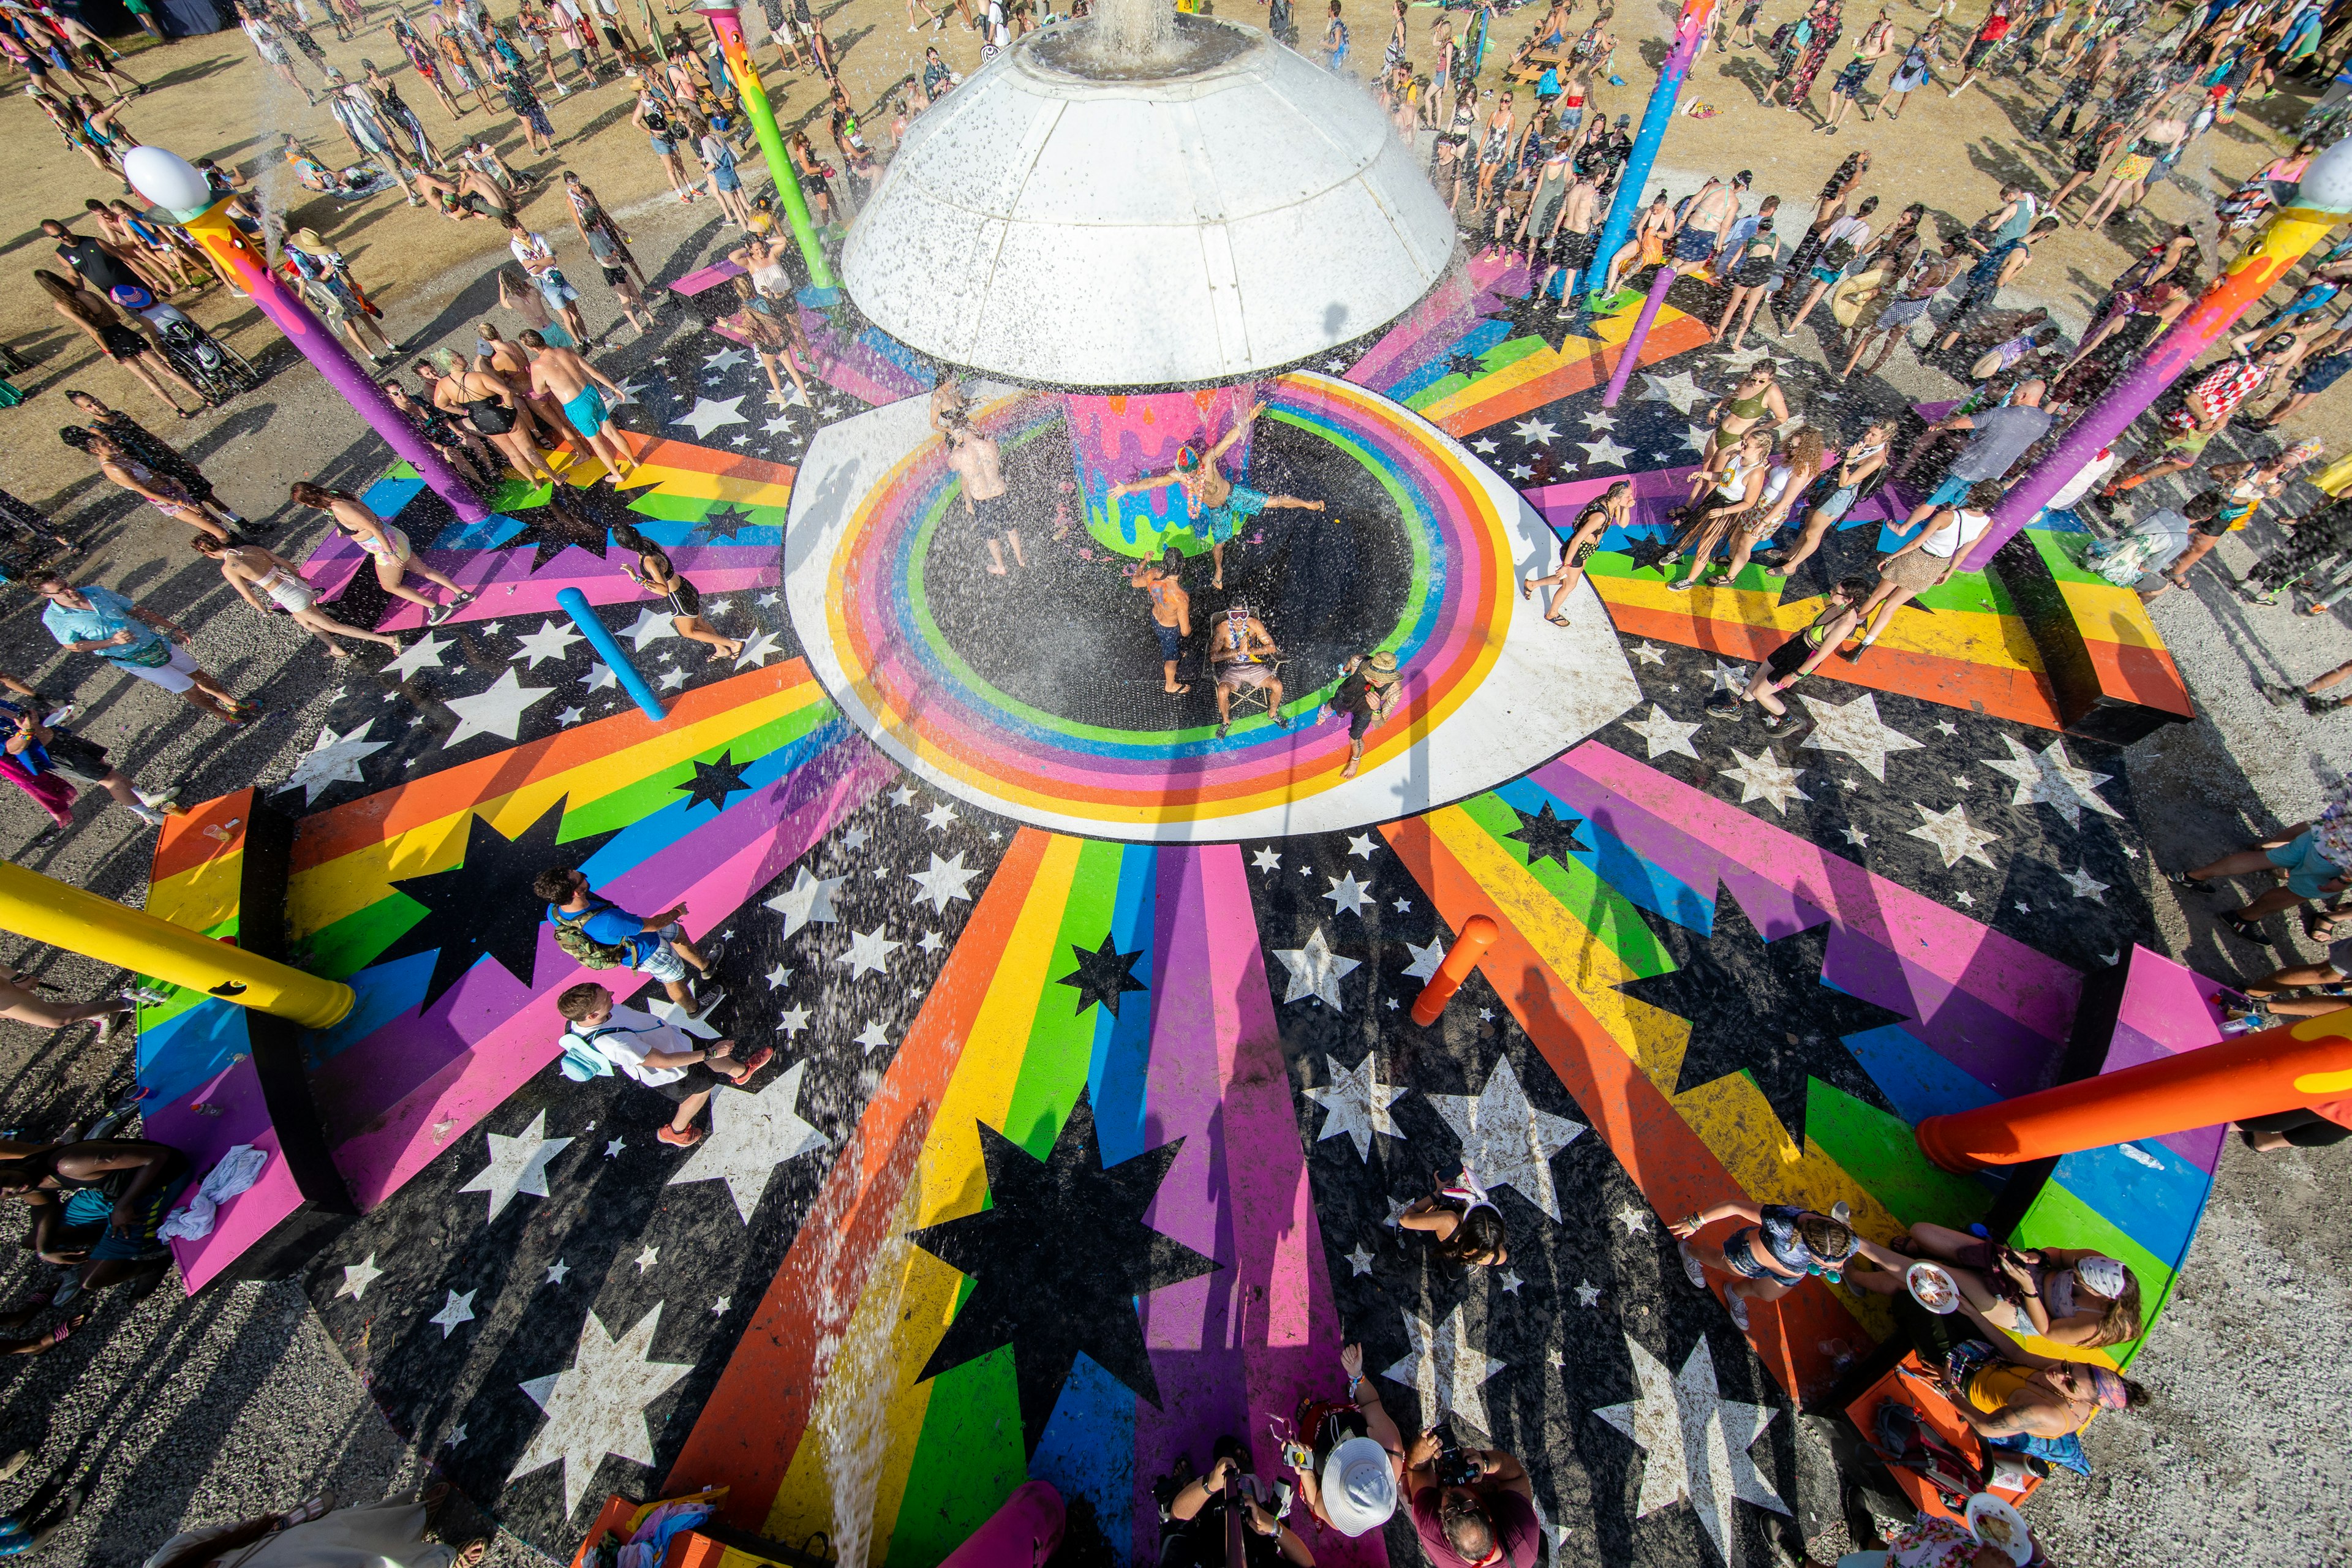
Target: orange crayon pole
x: 2306, y: 1065
x: 1477, y: 936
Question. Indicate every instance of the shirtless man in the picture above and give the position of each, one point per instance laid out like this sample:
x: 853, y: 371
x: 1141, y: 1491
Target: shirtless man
x: 980, y: 463
x: 948, y: 403
x: 1707, y: 221
x: 512, y: 364
x: 1171, y: 618
x: 1209, y: 496
x: 565, y: 376
x: 1241, y: 655
x: 1573, y: 250
x: 248, y: 567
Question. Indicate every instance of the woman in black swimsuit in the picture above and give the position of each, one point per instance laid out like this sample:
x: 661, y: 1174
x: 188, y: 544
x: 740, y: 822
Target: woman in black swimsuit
x: 1610, y: 510
x: 102, y: 325
x: 659, y: 576
x: 494, y: 410
x: 459, y: 447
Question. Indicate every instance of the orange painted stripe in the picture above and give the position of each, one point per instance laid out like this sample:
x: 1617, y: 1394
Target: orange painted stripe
x: 387, y: 814
x: 184, y: 844
x: 1581, y: 375
x: 2146, y: 675
x: 754, y: 1421
x: 2016, y: 694
x: 1676, y: 1169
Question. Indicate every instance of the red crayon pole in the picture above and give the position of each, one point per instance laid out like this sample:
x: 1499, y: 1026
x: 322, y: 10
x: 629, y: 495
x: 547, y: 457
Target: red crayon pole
x: 1478, y: 935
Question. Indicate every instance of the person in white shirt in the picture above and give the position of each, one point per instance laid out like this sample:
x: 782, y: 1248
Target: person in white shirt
x: 655, y: 1055
x: 1841, y: 242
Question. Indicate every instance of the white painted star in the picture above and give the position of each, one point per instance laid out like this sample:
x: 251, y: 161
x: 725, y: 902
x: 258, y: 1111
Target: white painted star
x: 596, y: 1405
x: 752, y: 1136
x: 557, y: 1270
x: 944, y: 881
x: 552, y: 640
x: 1485, y: 1015
x: 1961, y: 781
x: 2129, y: 853
x: 456, y: 1309
x: 1856, y: 729
x: 1598, y: 419
x: 1266, y: 859
x: 1511, y: 1283
x: 1402, y: 906
x: 1586, y: 1293
x: 613, y: 1149
x: 697, y: 1023
x: 1359, y: 1261
x: 1396, y: 1214
x: 1952, y: 836
x: 1505, y: 1142
x: 1361, y: 844
x: 456, y: 1435
x: 516, y: 1164
x: 1965, y: 899
x: 599, y: 677
x: 1521, y: 473
x: 758, y: 649
x: 778, y: 978
x: 1390, y: 1003
x: 569, y: 717
x: 1450, y: 1372
x: 1349, y: 895
x: 1948, y: 727
x: 1766, y: 777
x: 1635, y: 1220
x: 870, y: 1040
x: 2109, y: 959
x: 2026, y: 909
x: 647, y: 1258
x: 902, y: 796
x: 939, y: 815
x: 1695, y: 1443
x: 932, y: 941
x: 2053, y: 779
x: 724, y: 360
x: 2085, y: 886
x: 1697, y: 437
x: 358, y: 1277
x: 1315, y: 970
x: 856, y: 838
x: 1534, y: 432
x: 766, y: 601
x: 1729, y: 676
x: 1357, y: 1102
x: 793, y: 1020
x: 671, y: 680
x: 1855, y: 837
x: 1664, y: 733
x: 1425, y: 960
x: 712, y: 414
x: 653, y: 624
x: 1485, y: 445
x: 719, y: 1308
x: 423, y: 654
x: 1679, y: 389
x: 1605, y: 451
x: 809, y: 899
x: 332, y: 759
x: 1649, y: 653
x: 869, y: 953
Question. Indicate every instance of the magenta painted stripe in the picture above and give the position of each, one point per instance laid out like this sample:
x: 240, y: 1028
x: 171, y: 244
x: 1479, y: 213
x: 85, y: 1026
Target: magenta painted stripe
x: 705, y: 278
x: 1984, y: 1001
x: 401, y: 1141
x: 506, y: 586
x: 2167, y: 1008
x: 329, y: 568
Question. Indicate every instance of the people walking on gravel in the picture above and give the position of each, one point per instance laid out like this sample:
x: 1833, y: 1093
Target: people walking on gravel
x: 384, y: 544
x: 156, y: 452
x: 96, y: 620
x: 45, y: 760
x: 252, y: 572
x: 166, y: 495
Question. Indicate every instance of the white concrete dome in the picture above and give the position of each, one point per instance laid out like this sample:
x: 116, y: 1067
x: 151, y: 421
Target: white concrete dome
x: 1050, y: 223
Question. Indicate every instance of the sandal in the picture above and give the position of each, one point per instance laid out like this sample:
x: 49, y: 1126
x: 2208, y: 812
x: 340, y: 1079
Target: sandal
x: 747, y: 1066
x: 1557, y: 620
x: 2320, y: 925
x: 2247, y: 930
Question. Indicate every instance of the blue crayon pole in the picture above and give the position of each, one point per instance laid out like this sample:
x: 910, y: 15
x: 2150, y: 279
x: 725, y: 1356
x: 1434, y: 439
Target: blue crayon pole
x: 1690, y: 31
x: 575, y: 604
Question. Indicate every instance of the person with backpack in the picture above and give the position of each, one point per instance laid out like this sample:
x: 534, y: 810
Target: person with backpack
x: 601, y: 1038
x: 600, y: 935
x: 1986, y: 280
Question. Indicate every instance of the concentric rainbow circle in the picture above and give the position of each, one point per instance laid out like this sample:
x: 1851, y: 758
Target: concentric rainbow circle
x: 1490, y: 689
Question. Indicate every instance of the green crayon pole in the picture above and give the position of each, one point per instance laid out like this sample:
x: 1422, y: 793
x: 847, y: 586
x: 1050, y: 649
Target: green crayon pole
x: 726, y: 22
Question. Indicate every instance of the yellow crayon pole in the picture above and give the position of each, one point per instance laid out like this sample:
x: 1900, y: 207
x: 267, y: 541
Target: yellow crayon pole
x: 41, y: 909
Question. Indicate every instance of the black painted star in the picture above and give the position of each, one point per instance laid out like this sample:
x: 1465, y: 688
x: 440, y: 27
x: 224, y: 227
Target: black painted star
x: 714, y: 782
x: 584, y: 524
x: 1547, y: 836
x: 1760, y: 1007
x: 1103, y: 975
x: 722, y: 522
x: 1466, y: 365
x: 484, y: 905
x: 1059, y: 1258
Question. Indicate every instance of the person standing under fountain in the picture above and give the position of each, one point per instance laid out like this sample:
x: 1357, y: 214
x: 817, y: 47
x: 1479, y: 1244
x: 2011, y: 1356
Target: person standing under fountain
x: 1210, y: 497
x: 980, y: 462
x: 1171, y: 618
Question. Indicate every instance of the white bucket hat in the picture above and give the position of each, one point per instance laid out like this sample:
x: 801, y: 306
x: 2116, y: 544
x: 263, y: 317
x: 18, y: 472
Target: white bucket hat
x: 1358, y: 1486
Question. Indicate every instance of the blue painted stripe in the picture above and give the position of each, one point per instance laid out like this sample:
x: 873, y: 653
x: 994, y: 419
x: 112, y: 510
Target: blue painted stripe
x: 384, y: 991
x: 1485, y: 335
x: 2156, y: 1203
x: 487, y: 534
x: 1116, y: 1077
x: 897, y: 353
x: 190, y: 1048
x: 387, y: 496
x: 1087, y: 1449
x: 1643, y: 884
x: 1917, y: 1082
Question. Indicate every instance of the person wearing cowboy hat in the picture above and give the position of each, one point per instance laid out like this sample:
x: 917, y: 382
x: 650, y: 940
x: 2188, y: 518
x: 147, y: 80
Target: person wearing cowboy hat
x: 1349, y: 1459
x: 1368, y: 689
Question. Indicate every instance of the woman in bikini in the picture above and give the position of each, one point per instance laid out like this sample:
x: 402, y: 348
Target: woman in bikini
x: 1750, y: 279
x: 1860, y: 468
x: 1464, y: 1220
x: 1599, y: 517
x: 1758, y: 394
x: 1775, y: 1250
x: 248, y: 567
x: 490, y: 407
x: 165, y: 494
x: 657, y: 575
x: 2069, y: 1296
x: 1785, y: 483
x: 385, y: 545
x: 1738, y: 489
x: 98, y: 322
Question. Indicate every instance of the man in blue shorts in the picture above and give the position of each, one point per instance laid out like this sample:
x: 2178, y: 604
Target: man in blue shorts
x: 1212, y: 499
x: 2317, y: 857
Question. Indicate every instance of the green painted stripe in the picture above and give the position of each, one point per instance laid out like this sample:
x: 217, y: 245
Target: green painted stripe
x: 2059, y: 1218
x: 1061, y: 1046
x: 971, y: 1456
x: 668, y: 508
x: 1607, y: 913
x: 1437, y: 391
x: 647, y: 795
x: 342, y: 949
x: 1878, y: 1151
x: 182, y: 999
x: 1510, y: 351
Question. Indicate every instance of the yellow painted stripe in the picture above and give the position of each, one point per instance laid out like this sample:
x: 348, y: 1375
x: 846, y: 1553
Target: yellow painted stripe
x: 1619, y: 328
x: 201, y: 897
x: 1517, y: 373
x: 321, y: 895
x: 910, y: 1295
x: 1971, y: 637
x: 2115, y: 615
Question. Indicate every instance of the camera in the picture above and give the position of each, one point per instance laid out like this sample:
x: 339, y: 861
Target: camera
x: 1457, y: 1466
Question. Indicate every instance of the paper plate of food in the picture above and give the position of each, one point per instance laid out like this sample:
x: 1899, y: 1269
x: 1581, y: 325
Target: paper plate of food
x: 1997, y: 1522
x: 1933, y: 1287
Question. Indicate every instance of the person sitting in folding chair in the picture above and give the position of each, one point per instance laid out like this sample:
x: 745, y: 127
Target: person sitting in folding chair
x: 1247, y: 665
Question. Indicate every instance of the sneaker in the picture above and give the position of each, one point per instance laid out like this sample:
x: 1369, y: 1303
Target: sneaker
x: 1691, y: 1269
x: 1738, y: 1306
x: 1773, y: 721
x: 465, y: 597
x: 1852, y: 655
x: 436, y: 614
x: 677, y: 1140
x: 148, y: 815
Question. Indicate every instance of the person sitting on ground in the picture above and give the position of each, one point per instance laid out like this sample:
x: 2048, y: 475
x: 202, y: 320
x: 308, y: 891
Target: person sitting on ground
x: 1472, y: 1508
x: 1464, y: 1221
x: 41, y: 757
x: 391, y: 1531
x: 1242, y: 655
x: 2317, y: 857
x: 1775, y: 1249
x: 99, y: 1204
x: 2069, y: 1296
x: 1615, y: 508
x: 2008, y: 1390
x: 1195, y: 1526
x: 1369, y: 689
x: 655, y: 1055
x: 1798, y: 656
x: 1349, y: 1457
x: 592, y: 928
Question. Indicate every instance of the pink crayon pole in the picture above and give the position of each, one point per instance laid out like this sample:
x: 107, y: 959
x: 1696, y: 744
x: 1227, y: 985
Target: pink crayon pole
x: 173, y: 184
x: 1630, y: 355
x: 2320, y: 203
x: 1478, y: 934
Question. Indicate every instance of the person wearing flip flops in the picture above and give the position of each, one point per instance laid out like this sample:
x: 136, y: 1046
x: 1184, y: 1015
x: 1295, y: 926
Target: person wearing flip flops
x: 1613, y: 509
x: 654, y: 945
x: 1775, y: 1250
x: 387, y: 1534
x: 2317, y: 857
x: 18, y: 1002
x: 657, y: 1055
